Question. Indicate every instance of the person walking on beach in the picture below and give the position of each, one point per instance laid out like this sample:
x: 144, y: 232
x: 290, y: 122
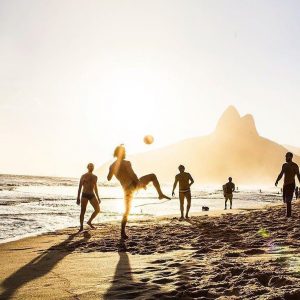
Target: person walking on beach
x: 185, y: 181
x: 123, y: 171
x: 289, y: 170
x: 228, y: 190
x: 88, y: 182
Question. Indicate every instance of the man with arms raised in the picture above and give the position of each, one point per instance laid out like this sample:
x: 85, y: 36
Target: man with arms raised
x: 88, y: 182
x: 289, y: 170
x: 185, y: 181
x: 123, y: 171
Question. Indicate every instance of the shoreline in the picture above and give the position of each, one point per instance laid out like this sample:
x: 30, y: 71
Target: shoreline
x: 232, y: 255
x: 249, y: 255
x: 213, y: 213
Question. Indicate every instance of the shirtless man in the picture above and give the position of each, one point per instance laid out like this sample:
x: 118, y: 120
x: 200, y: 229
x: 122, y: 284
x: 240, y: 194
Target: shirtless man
x: 289, y: 170
x: 90, y: 193
x: 228, y: 189
x: 185, y: 181
x: 123, y: 171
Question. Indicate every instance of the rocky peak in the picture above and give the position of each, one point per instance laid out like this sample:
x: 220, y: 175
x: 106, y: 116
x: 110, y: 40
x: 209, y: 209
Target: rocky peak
x: 232, y: 123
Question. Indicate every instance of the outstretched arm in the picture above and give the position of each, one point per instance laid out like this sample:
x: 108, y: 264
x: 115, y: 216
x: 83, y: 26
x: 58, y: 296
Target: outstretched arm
x: 79, y: 191
x: 191, y: 180
x: 174, y: 186
x: 279, y: 176
x: 96, y: 191
x: 110, y: 173
x: 233, y: 187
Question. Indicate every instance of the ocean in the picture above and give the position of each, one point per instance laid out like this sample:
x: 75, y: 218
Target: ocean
x: 32, y: 205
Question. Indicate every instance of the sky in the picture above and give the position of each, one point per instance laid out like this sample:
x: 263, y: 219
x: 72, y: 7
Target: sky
x: 79, y: 77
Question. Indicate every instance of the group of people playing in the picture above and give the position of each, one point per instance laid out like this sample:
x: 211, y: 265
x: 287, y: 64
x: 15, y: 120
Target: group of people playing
x: 122, y: 170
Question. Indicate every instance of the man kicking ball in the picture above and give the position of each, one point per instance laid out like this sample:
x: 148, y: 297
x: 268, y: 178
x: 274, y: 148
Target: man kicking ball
x: 88, y: 182
x: 123, y: 171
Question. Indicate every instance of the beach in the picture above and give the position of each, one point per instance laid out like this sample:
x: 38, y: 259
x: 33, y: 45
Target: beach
x: 32, y: 205
x: 243, y: 254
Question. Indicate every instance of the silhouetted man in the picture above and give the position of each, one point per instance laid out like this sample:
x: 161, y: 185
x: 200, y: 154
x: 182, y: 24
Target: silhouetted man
x: 228, y: 190
x: 185, y: 181
x: 90, y: 193
x: 123, y: 171
x: 289, y: 170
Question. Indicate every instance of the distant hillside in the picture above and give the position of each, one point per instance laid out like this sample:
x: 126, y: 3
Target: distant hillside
x: 233, y: 149
x: 294, y: 150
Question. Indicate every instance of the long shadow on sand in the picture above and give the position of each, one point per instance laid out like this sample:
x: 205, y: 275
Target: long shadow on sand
x: 41, y: 265
x: 123, y: 284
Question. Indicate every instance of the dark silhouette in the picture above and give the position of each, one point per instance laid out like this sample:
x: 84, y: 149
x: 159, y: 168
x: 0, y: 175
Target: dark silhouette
x: 289, y: 170
x: 123, y: 284
x: 228, y: 190
x: 41, y: 265
x: 297, y: 192
x: 90, y: 193
x: 122, y: 278
x: 185, y: 181
x: 123, y: 171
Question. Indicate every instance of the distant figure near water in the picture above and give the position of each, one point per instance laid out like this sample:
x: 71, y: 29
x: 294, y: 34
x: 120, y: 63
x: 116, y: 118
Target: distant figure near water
x: 228, y: 189
x: 185, y: 181
x: 88, y: 182
x: 123, y: 171
x: 289, y: 170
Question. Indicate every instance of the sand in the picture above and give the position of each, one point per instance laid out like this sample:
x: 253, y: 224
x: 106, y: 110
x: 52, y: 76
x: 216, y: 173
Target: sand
x: 244, y: 255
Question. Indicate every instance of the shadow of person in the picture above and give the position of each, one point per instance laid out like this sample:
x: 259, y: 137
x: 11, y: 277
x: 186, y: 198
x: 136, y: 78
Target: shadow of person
x: 41, y: 265
x: 123, y: 284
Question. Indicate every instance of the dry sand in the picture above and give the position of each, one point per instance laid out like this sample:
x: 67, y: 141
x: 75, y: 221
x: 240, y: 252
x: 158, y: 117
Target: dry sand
x: 253, y: 255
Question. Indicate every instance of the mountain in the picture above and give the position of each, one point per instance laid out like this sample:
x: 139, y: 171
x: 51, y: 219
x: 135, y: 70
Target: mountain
x: 234, y: 149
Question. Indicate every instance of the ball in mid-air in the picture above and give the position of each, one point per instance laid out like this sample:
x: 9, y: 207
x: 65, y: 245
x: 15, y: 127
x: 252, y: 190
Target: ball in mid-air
x: 148, y: 139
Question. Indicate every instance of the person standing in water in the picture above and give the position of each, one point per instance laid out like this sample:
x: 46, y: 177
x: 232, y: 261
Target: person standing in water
x: 123, y: 171
x: 289, y: 170
x: 228, y: 190
x: 185, y: 181
x: 88, y: 182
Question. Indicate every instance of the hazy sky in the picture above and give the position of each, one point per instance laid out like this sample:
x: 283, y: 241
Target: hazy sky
x: 79, y: 77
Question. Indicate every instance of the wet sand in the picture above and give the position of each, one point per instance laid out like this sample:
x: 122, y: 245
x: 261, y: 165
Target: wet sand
x: 244, y: 255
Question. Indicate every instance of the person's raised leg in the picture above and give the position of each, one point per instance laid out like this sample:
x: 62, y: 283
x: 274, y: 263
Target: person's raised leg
x: 188, y: 206
x: 181, y: 199
x: 145, y: 180
x: 96, y: 207
x: 128, y: 199
x: 84, y: 203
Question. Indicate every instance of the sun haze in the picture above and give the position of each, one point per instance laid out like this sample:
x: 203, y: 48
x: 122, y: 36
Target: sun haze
x: 79, y: 78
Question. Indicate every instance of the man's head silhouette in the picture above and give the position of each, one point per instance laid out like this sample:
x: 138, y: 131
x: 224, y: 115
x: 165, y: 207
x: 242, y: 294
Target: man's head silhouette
x: 120, y: 152
x: 181, y: 168
x: 289, y: 157
x: 90, y: 167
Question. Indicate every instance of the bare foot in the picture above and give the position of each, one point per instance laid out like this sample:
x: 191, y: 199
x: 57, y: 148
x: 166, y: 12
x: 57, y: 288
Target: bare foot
x: 181, y: 218
x: 187, y: 217
x: 162, y: 196
x: 91, y: 225
x: 80, y: 229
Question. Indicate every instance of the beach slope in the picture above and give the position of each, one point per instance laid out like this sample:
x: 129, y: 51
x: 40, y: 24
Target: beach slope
x: 253, y: 255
